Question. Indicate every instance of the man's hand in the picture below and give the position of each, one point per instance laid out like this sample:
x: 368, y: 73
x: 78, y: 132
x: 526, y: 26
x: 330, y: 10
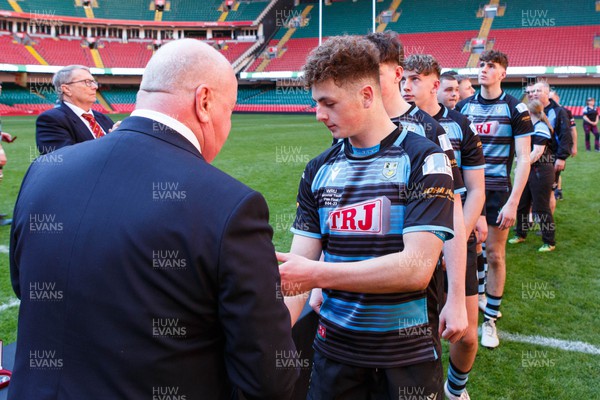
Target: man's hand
x: 316, y: 300
x: 115, y: 126
x: 507, y: 216
x: 297, y: 273
x: 6, y: 137
x: 453, y: 320
x: 481, y: 229
x: 559, y: 165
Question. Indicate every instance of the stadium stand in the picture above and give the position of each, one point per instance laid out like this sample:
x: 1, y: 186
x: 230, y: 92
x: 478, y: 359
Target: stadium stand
x: 437, y: 16
x: 128, y: 10
x: 246, y: 11
x: 570, y: 45
x: 125, y: 55
x: 121, y: 100
x: 188, y: 10
x: 14, y: 53
x: 524, y: 14
x: 44, y: 8
x: 63, y: 51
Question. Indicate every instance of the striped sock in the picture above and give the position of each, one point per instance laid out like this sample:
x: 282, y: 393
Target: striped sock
x: 482, y: 268
x: 492, y: 307
x: 457, y: 380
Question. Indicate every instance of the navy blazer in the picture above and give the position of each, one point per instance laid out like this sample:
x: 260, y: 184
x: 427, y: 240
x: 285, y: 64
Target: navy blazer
x: 60, y: 127
x: 144, y: 271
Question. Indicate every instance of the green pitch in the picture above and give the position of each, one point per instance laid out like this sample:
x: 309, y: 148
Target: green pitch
x: 553, y: 295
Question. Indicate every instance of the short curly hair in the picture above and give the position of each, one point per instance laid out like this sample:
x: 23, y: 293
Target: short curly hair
x: 423, y: 64
x: 344, y: 59
x: 390, y: 47
x: 495, y: 57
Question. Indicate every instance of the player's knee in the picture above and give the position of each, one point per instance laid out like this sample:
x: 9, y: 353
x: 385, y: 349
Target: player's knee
x: 469, y: 342
x: 495, y: 258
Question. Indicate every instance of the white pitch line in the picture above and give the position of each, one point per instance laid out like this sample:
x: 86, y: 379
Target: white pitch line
x: 12, y: 303
x: 3, y: 249
x: 568, y: 345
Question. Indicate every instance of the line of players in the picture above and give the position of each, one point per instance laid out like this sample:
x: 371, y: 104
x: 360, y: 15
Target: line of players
x: 480, y: 135
x: 554, y: 139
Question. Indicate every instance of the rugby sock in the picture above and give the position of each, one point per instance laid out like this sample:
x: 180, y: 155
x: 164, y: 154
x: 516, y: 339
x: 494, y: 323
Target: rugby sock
x: 482, y: 268
x: 481, y: 273
x: 492, y: 307
x: 457, y: 380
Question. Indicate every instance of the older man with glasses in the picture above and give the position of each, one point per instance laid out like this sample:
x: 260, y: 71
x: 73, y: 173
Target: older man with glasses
x: 73, y: 120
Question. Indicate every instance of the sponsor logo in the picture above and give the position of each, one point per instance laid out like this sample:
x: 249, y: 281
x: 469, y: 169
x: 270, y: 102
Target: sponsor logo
x: 370, y: 217
x: 487, y: 128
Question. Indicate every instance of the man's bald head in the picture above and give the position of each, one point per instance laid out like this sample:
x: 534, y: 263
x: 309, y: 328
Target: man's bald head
x: 190, y: 81
x: 182, y: 65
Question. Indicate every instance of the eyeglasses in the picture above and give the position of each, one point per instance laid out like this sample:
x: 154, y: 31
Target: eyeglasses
x: 88, y: 82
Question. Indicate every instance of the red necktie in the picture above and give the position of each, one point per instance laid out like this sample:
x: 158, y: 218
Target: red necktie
x: 96, y: 130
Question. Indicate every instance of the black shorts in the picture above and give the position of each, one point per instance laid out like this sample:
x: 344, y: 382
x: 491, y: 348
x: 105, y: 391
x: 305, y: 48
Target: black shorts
x: 332, y: 380
x: 494, y: 201
x: 471, y: 279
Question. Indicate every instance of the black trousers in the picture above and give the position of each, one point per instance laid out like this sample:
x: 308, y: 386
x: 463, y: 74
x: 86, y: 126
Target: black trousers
x: 587, y: 129
x: 536, y: 196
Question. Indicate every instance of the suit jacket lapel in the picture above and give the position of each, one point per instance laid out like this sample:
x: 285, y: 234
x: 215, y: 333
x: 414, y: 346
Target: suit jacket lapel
x: 81, y: 128
x: 103, y: 120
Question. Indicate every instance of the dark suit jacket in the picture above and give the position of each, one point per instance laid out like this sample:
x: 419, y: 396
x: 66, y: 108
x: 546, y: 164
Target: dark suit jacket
x: 60, y: 127
x: 143, y: 270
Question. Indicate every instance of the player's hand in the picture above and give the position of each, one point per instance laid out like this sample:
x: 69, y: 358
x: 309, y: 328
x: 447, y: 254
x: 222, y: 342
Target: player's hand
x: 574, y: 151
x: 453, y: 320
x: 559, y: 165
x: 8, y: 138
x: 297, y: 273
x: 316, y: 300
x: 481, y: 229
x: 507, y: 216
x: 115, y: 126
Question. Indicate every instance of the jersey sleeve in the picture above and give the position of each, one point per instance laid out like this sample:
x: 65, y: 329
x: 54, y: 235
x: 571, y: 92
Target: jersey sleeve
x: 430, y: 196
x: 540, y: 137
x: 441, y: 139
x: 521, y: 121
x: 471, y: 147
x: 307, y: 209
x: 562, y: 131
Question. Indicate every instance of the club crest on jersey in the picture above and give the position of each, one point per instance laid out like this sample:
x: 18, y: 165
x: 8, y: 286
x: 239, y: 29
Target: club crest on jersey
x: 487, y: 128
x: 366, y: 217
x: 389, y: 169
x: 437, y: 163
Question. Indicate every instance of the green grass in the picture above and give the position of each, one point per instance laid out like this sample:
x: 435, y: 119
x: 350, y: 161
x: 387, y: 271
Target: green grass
x: 268, y: 153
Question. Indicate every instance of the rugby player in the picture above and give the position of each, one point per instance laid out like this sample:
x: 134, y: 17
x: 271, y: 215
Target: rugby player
x: 422, y: 79
x: 505, y: 127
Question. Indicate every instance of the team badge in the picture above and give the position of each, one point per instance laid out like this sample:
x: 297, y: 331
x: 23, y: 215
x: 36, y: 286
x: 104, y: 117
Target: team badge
x: 389, y: 169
